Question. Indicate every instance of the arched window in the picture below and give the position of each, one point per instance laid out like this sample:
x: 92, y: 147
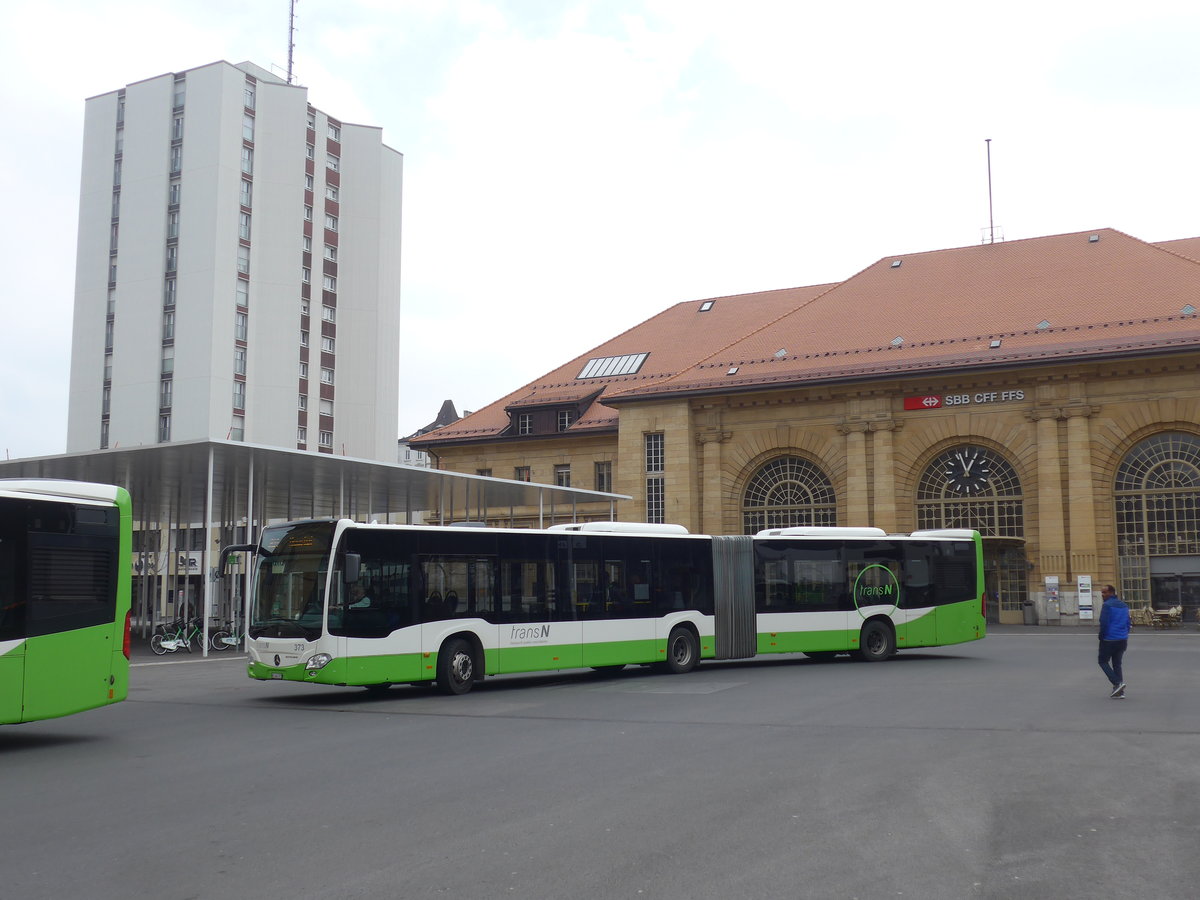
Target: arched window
x: 969, y: 486
x: 788, y: 492
x: 1157, y: 499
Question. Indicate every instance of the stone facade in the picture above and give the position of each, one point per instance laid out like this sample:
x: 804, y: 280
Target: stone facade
x: 1065, y: 438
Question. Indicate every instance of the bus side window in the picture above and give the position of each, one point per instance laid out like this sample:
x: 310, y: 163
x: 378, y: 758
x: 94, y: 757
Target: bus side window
x: 918, y: 581
x: 12, y: 605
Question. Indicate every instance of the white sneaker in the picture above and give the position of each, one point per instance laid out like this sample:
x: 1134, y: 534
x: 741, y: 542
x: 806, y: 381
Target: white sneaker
x: 1119, y: 691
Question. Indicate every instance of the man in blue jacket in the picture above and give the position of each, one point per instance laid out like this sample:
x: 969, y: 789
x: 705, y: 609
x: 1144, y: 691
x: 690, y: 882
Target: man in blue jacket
x: 1114, y: 638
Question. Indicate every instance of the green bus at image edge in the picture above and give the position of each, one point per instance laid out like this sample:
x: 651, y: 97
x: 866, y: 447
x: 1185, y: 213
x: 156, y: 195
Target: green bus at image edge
x: 64, y: 597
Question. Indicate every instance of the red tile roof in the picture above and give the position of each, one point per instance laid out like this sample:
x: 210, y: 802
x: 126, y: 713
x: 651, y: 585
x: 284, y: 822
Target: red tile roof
x: 1189, y: 247
x: 675, y: 339
x: 943, y: 309
x: 1102, y: 293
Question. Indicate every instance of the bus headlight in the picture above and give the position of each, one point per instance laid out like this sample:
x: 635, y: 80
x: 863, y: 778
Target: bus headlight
x: 317, y: 661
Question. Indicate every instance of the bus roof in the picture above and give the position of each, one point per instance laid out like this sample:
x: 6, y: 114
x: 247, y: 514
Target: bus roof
x: 59, y: 488
x: 823, y: 531
x: 621, y: 527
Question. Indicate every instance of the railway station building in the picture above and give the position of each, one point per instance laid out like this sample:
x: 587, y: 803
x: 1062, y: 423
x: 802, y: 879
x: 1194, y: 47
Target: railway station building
x: 1045, y: 392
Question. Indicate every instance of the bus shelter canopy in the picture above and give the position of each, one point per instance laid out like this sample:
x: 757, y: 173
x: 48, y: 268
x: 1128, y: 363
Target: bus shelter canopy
x: 202, y: 482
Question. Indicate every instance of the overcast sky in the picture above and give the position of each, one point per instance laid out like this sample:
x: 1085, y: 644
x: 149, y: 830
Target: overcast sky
x: 572, y: 168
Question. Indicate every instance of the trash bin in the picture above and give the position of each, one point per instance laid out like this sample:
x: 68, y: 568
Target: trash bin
x: 1030, y: 613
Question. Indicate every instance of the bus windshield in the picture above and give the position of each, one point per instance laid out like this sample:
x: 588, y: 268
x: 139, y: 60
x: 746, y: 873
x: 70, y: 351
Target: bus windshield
x: 289, y: 585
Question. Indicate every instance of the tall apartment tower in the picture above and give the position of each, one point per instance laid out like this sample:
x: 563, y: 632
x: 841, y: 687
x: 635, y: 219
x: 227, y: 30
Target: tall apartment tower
x: 238, y: 270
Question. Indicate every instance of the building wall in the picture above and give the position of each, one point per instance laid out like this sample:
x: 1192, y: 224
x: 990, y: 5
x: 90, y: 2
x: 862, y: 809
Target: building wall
x: 276, y: 247
x: 369, y: 293
x: 541, y: 456
x: 1064, y: 430
x: 212, y: 247
x: 91, y: 272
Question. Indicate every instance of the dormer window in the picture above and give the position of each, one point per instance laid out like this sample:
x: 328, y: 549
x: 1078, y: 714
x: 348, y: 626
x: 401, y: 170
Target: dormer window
x: 566, y: 418
x: 611, y: 366
x: 524, y: 423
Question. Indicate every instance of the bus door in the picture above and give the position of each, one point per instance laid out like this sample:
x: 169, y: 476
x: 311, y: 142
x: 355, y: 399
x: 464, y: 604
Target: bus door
x: 375, y: 616
x: 339, y: 597
x: 457, y: 592
x: 621, y: 578
x: 538, y: 630
x: 874, y: 578
x: 801, y: 596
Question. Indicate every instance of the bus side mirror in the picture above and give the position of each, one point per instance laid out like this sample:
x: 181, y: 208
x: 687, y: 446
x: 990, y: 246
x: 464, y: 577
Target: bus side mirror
x: 351, y: 567
x: 227, y: 552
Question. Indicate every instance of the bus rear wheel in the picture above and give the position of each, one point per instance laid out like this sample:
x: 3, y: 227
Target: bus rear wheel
x: 455, y: 667
x: 682, y: 651
x: 876, y: 642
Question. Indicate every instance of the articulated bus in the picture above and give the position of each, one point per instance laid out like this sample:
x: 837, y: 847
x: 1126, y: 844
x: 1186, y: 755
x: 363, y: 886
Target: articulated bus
x: 64, y: 597
x: 342, y: 603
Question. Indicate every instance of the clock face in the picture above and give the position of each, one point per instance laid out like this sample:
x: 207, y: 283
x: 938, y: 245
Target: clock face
x: 967, y: 471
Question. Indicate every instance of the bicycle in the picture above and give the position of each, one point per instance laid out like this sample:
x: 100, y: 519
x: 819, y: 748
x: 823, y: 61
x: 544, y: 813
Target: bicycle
x: 228, y: 637
x: 176, y: 636
x: 165, y: 631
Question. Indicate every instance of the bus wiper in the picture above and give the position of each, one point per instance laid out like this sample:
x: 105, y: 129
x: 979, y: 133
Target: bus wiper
x: 279, y: 624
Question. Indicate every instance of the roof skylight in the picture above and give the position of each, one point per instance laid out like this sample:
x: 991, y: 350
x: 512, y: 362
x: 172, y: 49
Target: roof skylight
x: 897, y: 341
x: 608, y: 366
x: 707, y: 305
x: 1188, y: 310
x: 1043, y: 325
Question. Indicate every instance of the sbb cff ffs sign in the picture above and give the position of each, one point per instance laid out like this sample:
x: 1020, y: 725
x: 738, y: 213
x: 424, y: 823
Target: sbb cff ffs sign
x: 936, y: 402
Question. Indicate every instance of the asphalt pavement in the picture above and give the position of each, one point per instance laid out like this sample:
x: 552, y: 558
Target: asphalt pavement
x: 996, y: 769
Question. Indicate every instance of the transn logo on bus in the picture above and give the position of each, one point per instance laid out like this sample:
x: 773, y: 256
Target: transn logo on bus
x: 534, y: 633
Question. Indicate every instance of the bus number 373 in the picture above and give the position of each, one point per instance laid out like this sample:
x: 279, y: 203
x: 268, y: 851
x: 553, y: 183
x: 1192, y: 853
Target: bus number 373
x: 343, y: 603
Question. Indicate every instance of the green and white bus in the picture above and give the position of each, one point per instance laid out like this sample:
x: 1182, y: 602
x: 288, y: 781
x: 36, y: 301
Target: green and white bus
x: 343, y: 603
x: 64, y: 597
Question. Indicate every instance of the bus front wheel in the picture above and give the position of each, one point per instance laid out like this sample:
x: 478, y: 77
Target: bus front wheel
x: 876, y: 642
x: 682, y: 651
x: 455, y: 667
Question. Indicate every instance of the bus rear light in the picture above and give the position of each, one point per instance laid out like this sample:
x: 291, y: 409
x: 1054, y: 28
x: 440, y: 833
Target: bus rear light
x: 126, y: 643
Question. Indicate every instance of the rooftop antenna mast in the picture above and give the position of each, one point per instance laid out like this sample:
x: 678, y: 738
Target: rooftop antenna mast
x: 991, y: 220
x: 291, y: 36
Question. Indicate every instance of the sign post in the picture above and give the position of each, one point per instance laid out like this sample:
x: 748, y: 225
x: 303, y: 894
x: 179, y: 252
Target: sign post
x: 1084, y: 584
